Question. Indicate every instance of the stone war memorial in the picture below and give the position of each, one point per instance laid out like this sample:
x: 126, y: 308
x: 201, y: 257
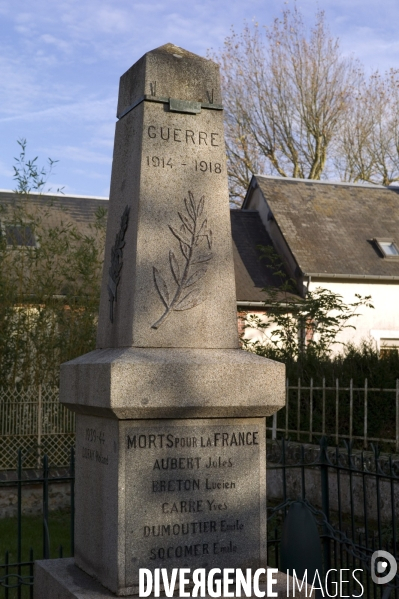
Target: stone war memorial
x: 170, y: 412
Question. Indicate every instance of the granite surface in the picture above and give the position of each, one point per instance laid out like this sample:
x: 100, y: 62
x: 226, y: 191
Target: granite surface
x: 168, y: 493
x: 176, y: 73
x: 173, y: 383
x: 170, y: 445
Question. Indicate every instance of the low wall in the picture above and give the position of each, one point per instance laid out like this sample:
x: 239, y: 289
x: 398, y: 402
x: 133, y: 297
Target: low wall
x: 59, y: 494
x: 364, y: 491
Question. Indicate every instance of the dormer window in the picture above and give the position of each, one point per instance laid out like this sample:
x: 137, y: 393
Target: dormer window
x: 387, y: 247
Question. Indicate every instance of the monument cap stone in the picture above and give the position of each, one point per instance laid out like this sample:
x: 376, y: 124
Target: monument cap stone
x: 170, y: 72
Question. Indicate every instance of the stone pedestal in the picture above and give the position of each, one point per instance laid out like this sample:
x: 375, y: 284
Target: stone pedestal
x: 170, y: 459
x: 169, y: 493
x: 170, y: 444
x: 134, y: 382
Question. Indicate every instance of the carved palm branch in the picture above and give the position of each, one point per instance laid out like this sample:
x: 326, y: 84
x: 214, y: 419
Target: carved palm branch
x: 114, y: 271
x: 195, y: 243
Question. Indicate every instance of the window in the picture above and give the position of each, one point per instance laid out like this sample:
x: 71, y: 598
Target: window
x: 387, y: 247
x: 388, y: 345
x: 18, y: 235
x: 386, y: 341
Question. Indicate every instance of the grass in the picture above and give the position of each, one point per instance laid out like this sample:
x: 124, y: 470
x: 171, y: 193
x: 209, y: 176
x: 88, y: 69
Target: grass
x: 32, y: 537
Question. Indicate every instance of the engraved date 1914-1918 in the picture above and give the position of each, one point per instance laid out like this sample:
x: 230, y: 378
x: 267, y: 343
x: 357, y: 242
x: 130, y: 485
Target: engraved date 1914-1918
x: 202, y: 166
x: 195, y: 241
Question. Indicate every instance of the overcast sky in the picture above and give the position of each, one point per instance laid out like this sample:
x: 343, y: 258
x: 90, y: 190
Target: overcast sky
x: 60, y: 64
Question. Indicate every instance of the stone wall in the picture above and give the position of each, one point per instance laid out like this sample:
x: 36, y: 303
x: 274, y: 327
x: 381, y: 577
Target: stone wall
x: 313, y: 491
x: 32, y: 494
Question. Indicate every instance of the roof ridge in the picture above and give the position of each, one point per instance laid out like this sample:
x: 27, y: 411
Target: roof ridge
x: 316, y: 181
x: 58, y: 195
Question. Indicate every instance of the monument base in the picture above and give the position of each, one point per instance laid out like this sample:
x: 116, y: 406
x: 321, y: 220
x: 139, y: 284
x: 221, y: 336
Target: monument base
x: 62, y: 579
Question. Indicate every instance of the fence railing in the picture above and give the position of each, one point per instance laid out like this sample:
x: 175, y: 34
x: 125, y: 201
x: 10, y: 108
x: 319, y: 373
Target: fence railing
x: 353, y: 498
x: 16, y: 571
x: 34, y: 419
x: 351, y: 413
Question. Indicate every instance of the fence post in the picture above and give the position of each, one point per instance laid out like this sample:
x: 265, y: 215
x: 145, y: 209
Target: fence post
x: 46, y: 534
x: 397, y: 416
x: 39, y: 426
x: 7, y: 572
x: 325, y: 500
x: 283, y: 473
x: 350, y: 410
x: 336, y: 409
x: 72, y: 473
x: 274, y: 427
x: 19, y: 513
x: 287, y: 392
x: 365, y: 414
x: 311, y: 411
x: 298, y: 426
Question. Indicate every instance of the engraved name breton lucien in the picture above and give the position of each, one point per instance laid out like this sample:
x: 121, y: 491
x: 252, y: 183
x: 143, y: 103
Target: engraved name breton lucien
x: 114, y: 272
x: 195, y: 241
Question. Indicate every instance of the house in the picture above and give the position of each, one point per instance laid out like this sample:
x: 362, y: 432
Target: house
x: 339, y: 236
x: 80, y: 210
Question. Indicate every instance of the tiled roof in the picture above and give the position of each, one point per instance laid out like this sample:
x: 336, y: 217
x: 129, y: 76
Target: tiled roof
x: 251, y: 272
x: 329, y: 227
x: 78, y: 209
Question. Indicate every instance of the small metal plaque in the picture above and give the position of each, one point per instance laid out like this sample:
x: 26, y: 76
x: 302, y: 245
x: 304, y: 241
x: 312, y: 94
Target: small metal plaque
x: 184, y: 106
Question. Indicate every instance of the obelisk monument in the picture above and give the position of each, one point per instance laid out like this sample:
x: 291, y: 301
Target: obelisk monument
x: 170, y: 442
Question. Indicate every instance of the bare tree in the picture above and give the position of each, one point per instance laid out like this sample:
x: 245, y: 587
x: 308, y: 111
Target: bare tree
x: 368, y: 145
x: 287, y: 93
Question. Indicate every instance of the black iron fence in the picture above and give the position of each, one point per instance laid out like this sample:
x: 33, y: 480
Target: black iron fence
x: 341, y: 412
x: 16, y: 574
x: 351, y: 496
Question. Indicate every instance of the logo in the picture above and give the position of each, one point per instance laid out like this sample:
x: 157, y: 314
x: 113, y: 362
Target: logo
x: 383, y: 567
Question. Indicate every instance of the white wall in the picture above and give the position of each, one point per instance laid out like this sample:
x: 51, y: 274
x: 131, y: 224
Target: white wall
x: 382, y: 322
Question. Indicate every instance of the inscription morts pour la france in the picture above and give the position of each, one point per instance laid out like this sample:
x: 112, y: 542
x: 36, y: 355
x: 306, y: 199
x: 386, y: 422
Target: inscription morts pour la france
x: 170, y: 441
x: 199, y: 478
